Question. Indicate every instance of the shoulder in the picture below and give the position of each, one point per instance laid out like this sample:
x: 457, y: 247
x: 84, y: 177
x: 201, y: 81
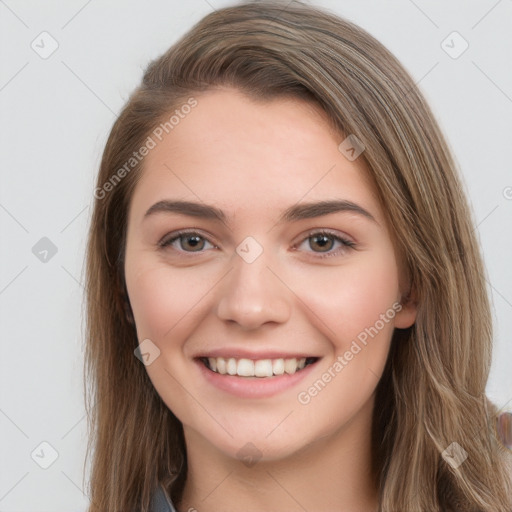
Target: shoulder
x: 160, y: 501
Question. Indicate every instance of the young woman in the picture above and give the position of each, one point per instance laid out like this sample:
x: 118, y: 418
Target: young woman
x: 287, y: 307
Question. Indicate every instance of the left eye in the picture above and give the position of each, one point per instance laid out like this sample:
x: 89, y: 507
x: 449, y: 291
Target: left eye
x: 325, y: 242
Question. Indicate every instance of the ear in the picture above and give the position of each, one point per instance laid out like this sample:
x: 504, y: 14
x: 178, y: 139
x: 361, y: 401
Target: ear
x: 406, y: 316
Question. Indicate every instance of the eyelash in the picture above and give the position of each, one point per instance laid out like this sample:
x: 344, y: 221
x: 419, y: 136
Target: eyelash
x: 346, y: 244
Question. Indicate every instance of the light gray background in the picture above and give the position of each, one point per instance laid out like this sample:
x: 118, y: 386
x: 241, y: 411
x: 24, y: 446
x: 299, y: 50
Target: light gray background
x: 55, y: 117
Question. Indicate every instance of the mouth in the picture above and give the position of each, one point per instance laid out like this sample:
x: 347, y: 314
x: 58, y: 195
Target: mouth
x: 259, y: 368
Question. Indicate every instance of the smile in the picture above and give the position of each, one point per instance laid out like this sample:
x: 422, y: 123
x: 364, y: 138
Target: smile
x: 256, y: 368
x: 250, y: 377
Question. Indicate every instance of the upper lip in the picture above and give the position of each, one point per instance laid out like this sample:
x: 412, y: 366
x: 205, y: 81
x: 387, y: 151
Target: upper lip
x: 241, y: 353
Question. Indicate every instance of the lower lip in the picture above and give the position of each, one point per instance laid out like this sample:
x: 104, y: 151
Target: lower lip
x: 254, y: 387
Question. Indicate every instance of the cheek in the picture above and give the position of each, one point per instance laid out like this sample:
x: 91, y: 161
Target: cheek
x: 150, y: 298
x: 343, y: 301
x: 354, y: 310
x: 162, y: 299
x: 166, y: 306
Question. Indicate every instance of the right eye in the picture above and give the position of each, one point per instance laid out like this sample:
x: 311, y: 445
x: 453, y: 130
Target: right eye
x: 185, y: 241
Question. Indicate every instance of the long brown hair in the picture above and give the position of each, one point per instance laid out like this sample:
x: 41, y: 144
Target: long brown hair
x: 432, y: 392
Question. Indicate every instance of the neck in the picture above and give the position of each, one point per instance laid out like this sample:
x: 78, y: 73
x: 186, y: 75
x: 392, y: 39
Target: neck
x: 333, y: 473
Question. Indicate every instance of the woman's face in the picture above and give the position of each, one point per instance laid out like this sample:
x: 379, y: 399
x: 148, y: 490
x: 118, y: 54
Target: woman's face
x: 231, y: 269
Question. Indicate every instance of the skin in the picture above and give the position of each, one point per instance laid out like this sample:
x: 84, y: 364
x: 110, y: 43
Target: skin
x: 253, y: 160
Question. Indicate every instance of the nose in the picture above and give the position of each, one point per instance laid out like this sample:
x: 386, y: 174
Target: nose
x: 252, y: 295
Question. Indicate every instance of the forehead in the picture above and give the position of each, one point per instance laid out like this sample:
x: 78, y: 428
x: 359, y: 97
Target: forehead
x: 234, y: 151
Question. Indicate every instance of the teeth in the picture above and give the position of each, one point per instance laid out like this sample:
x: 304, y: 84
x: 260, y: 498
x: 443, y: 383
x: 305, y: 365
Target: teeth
x: 290, y: 365
x: 263, y: 368
x: 231, y: 366
x: 278, y: 366
x: 258, y: 368
x: 245, y: 368
x: 221, y: 366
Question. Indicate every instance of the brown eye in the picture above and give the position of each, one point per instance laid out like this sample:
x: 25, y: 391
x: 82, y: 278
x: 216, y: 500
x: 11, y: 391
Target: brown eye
x: 322, y: 241
x: 324, y: 244
x: 186, y: 242
x: 191, y: 242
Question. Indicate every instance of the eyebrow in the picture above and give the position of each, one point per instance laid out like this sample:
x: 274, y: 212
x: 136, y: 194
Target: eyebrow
x: 292, y: 214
